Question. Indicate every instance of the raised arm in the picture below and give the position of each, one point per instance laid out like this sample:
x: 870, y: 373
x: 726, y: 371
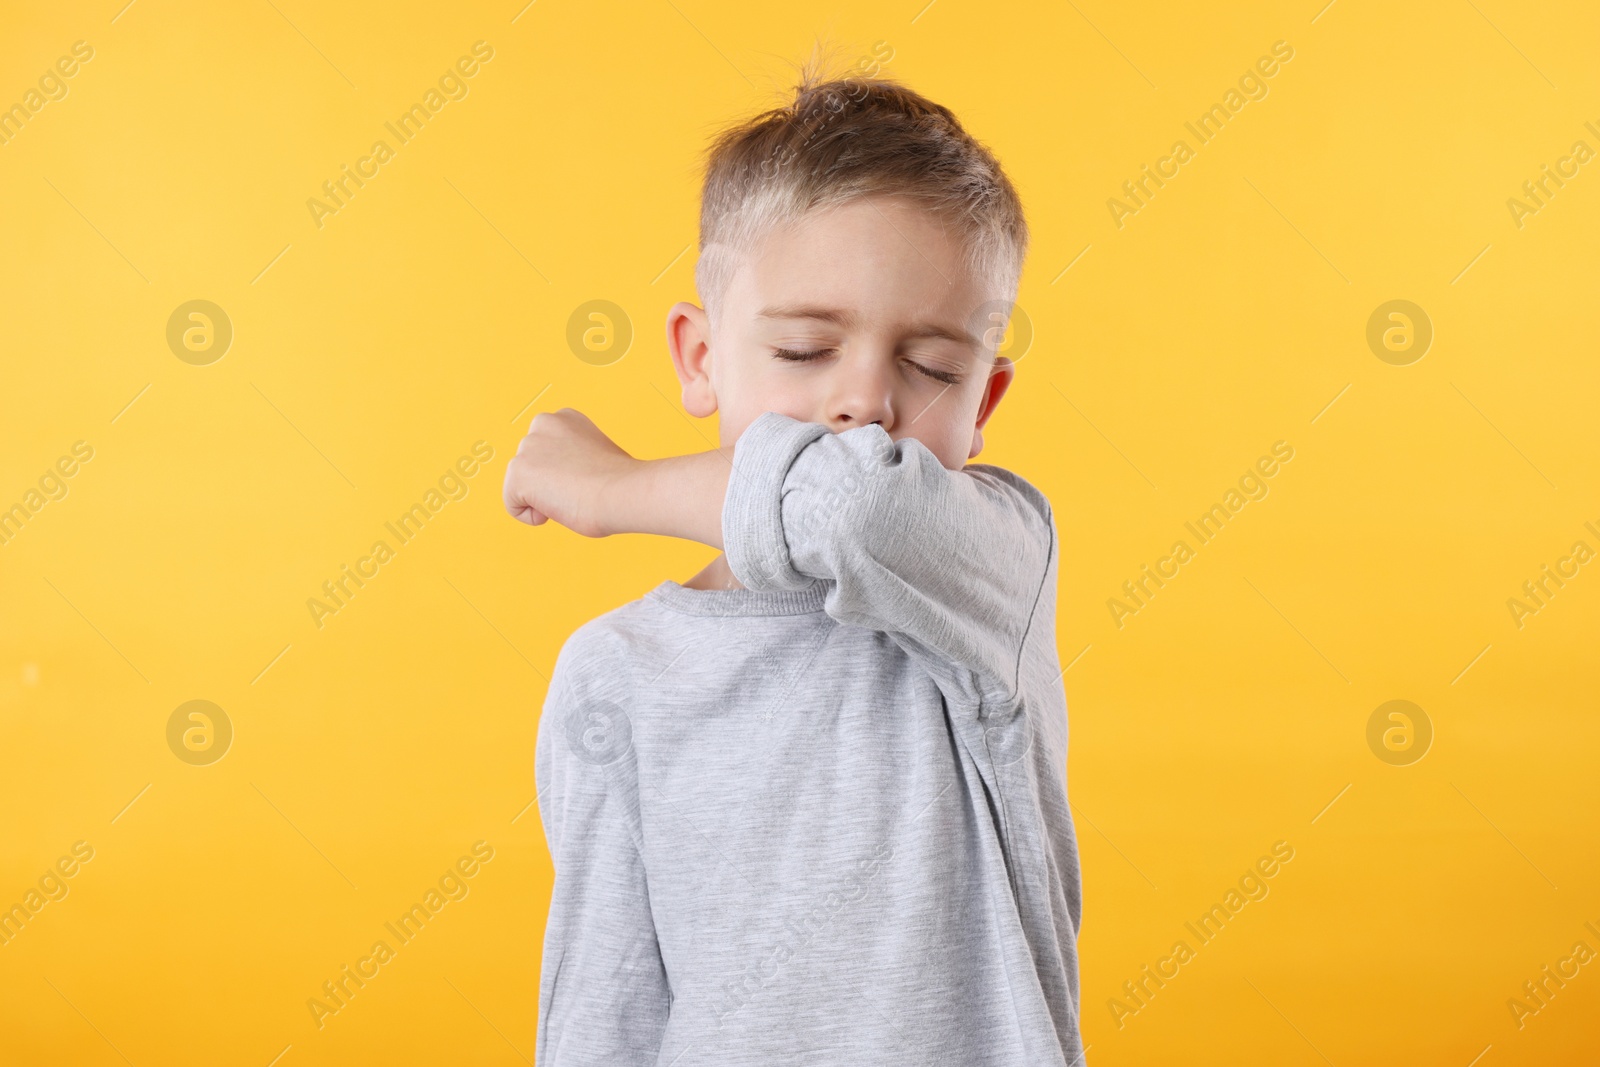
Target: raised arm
x: 950, y: 563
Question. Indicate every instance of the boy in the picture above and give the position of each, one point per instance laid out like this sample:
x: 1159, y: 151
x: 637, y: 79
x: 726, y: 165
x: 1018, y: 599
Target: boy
x: 810, y: 806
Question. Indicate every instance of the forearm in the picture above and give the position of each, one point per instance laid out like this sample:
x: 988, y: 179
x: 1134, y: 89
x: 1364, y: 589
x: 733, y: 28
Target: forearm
x: 677, y: 496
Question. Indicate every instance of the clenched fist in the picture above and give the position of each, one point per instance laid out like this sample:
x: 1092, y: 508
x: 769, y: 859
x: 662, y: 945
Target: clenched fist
x: 564, y: 470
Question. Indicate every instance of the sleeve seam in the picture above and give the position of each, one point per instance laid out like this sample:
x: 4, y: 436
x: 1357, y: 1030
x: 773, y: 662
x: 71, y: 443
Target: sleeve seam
x: 1033, y: 612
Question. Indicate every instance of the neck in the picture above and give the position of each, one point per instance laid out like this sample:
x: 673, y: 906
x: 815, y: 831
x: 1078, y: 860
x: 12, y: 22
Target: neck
x: 717, y: 575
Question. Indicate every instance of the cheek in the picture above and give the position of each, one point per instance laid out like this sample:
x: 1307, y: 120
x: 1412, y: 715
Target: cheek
x: 730, y: 427
x: 948, y: 442
x: 957, y: 454
x: 955, y: 428
x: 745, y: 391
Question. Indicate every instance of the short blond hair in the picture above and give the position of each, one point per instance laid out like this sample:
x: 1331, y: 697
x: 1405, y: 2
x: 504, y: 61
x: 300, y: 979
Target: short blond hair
x: 842, y: 139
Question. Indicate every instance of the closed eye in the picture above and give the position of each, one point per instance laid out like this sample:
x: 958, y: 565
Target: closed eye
x: 791, y: 356
x: 947, y: 377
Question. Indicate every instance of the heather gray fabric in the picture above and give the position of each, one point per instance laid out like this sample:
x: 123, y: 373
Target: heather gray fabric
x: 823, y: 819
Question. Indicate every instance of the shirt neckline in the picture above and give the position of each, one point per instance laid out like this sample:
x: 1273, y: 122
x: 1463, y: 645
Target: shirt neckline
x: 739, y: 602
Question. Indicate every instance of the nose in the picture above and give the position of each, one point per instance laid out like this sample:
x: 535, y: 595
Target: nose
x: 860, y: 392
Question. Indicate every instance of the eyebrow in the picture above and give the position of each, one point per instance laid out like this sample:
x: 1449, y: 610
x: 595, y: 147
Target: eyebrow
x: 848, y: 319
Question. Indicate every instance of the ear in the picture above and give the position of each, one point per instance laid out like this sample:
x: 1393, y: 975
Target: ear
x: 1000, y: 376
x: 689, y: 341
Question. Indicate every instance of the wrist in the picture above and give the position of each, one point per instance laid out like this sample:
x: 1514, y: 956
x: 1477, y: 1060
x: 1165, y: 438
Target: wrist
x: 619, y: 496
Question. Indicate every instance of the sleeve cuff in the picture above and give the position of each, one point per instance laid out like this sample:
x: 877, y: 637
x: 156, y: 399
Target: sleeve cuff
x: 752, y: 512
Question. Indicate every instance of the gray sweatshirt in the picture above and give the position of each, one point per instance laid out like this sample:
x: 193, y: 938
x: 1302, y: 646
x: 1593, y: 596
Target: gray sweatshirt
x: 822, y: 819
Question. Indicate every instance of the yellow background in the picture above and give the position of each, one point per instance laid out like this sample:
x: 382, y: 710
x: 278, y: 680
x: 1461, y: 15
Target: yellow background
x: 429, y: 313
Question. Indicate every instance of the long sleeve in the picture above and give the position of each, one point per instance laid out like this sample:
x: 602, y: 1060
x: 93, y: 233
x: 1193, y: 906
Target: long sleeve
x: 603, y: 993
x: 949, y: 563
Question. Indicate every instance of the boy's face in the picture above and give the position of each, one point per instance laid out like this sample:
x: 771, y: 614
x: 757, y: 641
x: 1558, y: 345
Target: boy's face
x: 877, y: 289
